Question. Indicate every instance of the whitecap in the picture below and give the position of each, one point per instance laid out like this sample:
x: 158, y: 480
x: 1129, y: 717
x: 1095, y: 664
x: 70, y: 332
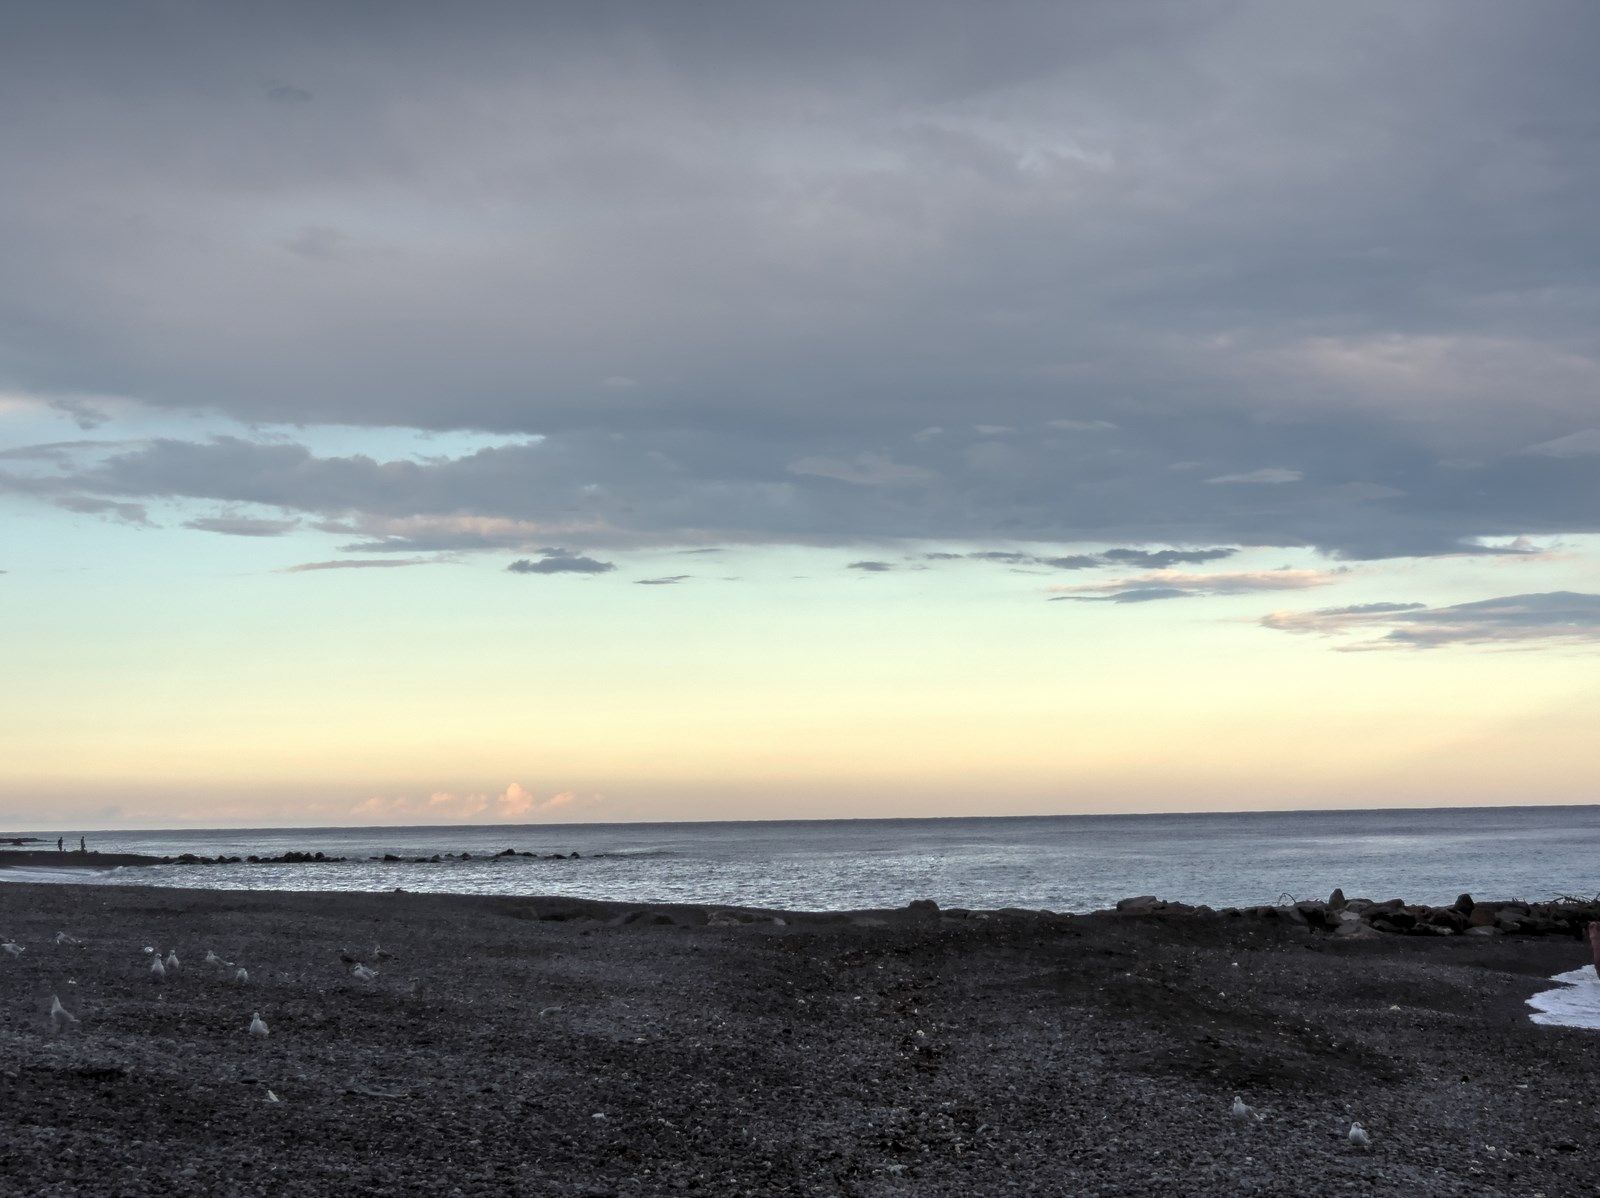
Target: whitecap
x: 1575, y: 1003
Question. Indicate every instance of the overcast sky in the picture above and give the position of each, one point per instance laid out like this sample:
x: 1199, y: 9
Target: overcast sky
x: 1288, y: 313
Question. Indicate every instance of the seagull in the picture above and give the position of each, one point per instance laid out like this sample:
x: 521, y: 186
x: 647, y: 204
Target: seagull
x: 172, y: 960
x: 271, y: 1097
x: 63, y: 938
x: 1242, y: 1113
x: 241, y: 975
x: 212, y: 958
x: 362, y: 972
x: 1358, y: 1136
x: 12, y: 947
x: 158, y: 971
x: 379, y: 954
x: 258, y: 1026
x: 60, y: 1017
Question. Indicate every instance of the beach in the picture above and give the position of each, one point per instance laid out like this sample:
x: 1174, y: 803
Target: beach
x: 564, y: 1047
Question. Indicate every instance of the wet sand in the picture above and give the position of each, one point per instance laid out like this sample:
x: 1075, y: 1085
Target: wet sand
x: 546, y: 1047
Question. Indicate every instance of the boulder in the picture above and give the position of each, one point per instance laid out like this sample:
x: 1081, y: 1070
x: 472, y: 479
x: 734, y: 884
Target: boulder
x: 1318, y: 915
x: 1336, y: 899
x: 1464, y: 904
x: 1139, y: 903
x: 923, y: 908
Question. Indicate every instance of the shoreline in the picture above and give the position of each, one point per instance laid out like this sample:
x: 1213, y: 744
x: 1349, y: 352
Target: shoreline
x: 581, y: 1047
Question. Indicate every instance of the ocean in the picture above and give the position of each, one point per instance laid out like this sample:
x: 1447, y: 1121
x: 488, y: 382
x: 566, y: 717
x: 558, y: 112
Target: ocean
x: 1060, y: 863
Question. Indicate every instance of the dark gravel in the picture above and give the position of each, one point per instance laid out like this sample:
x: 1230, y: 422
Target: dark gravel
x: 502, y: 1051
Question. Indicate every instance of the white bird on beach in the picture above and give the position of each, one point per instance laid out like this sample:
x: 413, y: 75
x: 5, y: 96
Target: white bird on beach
x: 12, y: 947
x: 271, y: 1097
x: 1242, y: 1113
x: 1358, y: 1136
x: 241, y: 975
x: 63, y: 938
x: 60, y: 1017
x: 258, y: 1026
x: 212, y: 958
x: 172, y: 960
x: 362, y: 972
x: 158, y: 970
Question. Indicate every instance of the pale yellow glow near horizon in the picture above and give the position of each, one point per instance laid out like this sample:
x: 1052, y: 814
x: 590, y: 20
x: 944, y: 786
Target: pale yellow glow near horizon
x: 285, y: 700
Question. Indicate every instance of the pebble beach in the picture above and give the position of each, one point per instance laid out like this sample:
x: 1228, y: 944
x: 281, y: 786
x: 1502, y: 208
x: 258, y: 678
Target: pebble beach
x: 564, y: 1047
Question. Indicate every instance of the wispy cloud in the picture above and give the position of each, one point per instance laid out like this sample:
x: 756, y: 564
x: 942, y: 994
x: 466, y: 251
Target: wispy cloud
x: 1177, y: 584
x: 512, y: 804
x: 1517, y: 621
x: 386, y: 563
x: 242, y: 526
x: 1266, y: 476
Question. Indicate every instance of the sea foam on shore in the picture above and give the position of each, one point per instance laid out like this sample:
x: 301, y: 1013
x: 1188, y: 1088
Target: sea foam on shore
x: 1574, y: 1003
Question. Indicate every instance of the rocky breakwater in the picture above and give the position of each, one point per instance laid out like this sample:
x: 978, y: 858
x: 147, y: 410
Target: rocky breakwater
x: 1365, y: 918
x: 438, y: 858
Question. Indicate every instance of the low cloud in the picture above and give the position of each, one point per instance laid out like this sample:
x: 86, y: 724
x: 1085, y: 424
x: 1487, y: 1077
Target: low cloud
x: 242, y: 526
x: 128, y: 513
x: 668, y: 581
x: 1585, y: 444
x: 560, y: 561
x: 871, y: 567
x: 1267, y: 476
x: 1150, y: 559
x: 346, y: 564
x: 865, y: 470
x: 1177, y: 584
x: 1545, y: 619
x: 514, y: 803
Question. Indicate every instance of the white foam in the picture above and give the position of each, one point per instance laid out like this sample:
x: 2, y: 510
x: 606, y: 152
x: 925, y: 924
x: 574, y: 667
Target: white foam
x: 40, y: 873
x: 1575, y: 1003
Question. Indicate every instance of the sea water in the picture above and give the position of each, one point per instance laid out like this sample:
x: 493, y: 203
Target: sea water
x: 1061, y: 863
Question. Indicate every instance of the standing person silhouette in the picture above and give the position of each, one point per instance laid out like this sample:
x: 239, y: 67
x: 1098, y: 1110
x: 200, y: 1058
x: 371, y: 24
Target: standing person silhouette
x: 61, y: 844
x: 83, y: 846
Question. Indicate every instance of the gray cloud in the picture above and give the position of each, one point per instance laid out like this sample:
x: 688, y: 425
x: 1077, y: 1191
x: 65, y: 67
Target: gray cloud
x: 360, y: 564
x: 284, y: 93
x: 560, y: 561
x: 242, y: 526
x: 1551, y: 618
x: 128, y: 513
x: 1131, y: 595
x: 871, y: 567
x: 738, y: 262
x: 666, y: 581
x: 1177, y: 584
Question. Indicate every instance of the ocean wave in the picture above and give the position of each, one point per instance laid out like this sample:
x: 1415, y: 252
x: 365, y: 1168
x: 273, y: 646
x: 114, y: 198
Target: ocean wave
x: 1575, y: 1003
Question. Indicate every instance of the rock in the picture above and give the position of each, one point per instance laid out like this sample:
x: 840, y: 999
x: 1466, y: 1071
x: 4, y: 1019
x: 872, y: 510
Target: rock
x: 1355, y: 930
x: 1484, y: 930
x: 506, y: 853
x: 923, y: 907
x: 1314, y: 913
x: 1143, y: 902
x: 1464, y: 904
x: 1336, y: 899
x: 1388, y: 905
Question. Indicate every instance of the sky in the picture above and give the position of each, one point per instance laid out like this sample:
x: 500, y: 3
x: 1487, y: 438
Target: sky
x: 635, y: 411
